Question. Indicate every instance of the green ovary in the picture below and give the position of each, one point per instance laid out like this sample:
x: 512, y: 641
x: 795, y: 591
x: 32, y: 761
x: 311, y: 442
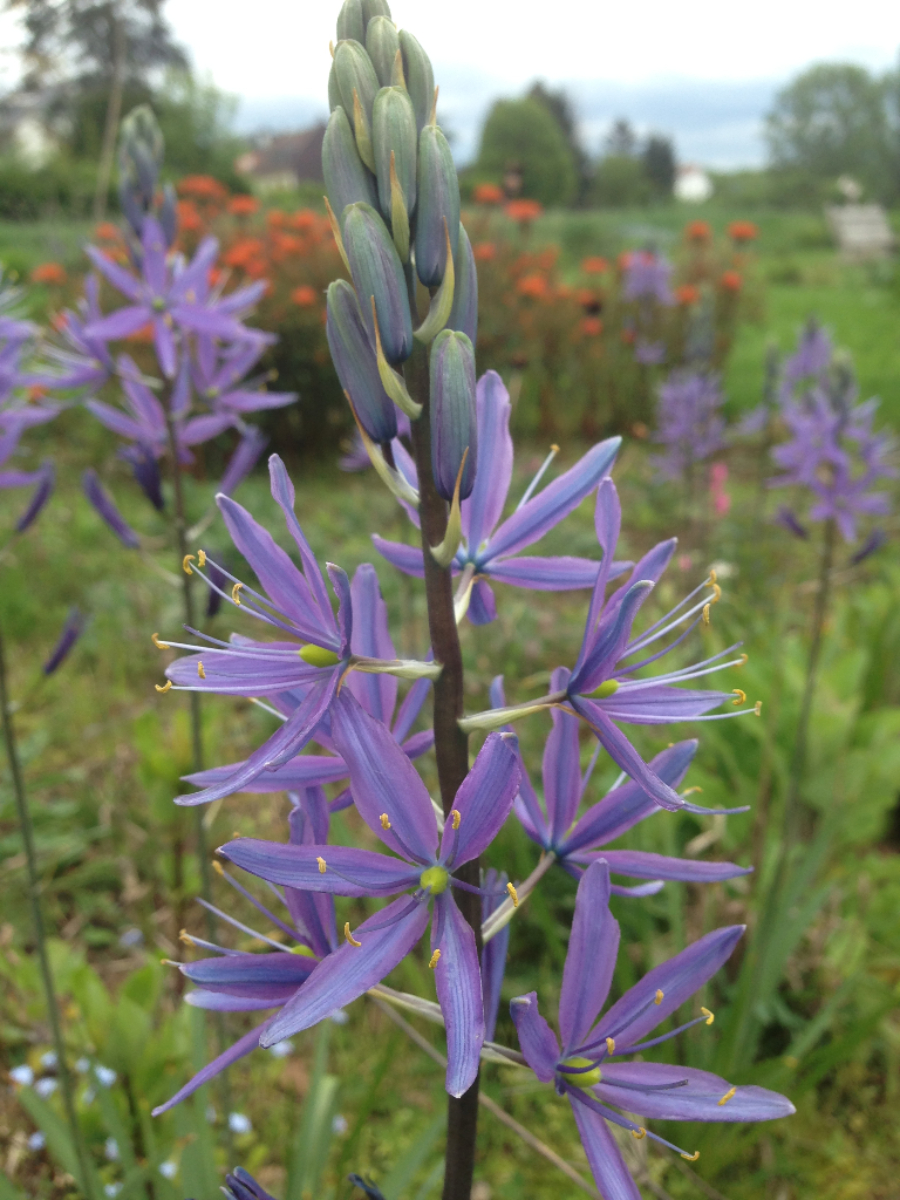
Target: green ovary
x: 586, y: 1079
x: 435, y: 879
x: 318, y: 656
x: 609, y: 688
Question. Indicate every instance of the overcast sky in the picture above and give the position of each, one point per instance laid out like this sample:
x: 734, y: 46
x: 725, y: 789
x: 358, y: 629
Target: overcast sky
x: 658, y: 57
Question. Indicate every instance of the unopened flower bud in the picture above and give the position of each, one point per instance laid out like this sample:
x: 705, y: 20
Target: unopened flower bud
x: 378, y: 273
x: 438, y: 201
x: 382, y: 44
x: 464, y: 313
x: 141, y: 150
x: 334, y: 92
x: 355, y: 73
x: 419, y: 77
x: 347, y: 179
x: 350, y: 22
x: 354, y: 360
x: 394, y: 133
x: 168, y: 215
x: 375, y: 8
x: 453, y: 413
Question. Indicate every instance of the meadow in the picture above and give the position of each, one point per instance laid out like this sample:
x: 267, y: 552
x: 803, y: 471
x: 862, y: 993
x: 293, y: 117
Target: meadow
x: 808, y: 1006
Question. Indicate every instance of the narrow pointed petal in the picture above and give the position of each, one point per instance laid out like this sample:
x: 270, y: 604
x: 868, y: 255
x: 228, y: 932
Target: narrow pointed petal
x: 529, y: 811
x: 303, y: 771
x: 116, y: 420
x: 563, y: 573
x: 241, y: 1047
x: 562, y: 772
x: 658, y: 866
x: 700, y: 1100
x: 536, y: 1039
x: 407, y: 559
x: 677, y: 979
x: 284, y: 496
x: 559, y: 498
x: 235, y: 971
x: 607, y: 1164
x: 662, y: 704
x: 372, y: 639
x: 409, y: 710
x: 352, y: 872
x: 350, y: 970
x: 103, y: 503
x: 238, y: 675
x: 591, y: 959
x: 625, y: 806
x: 484, y: 799
x: 607, y: 644
x: 384, y: 781
x: 482, y: 604
x: 340, y: 583
x: 624, y: 755
x: 483, y: 509
x: 311, y: 912
x: 457, y: 977
x: 123, y: 281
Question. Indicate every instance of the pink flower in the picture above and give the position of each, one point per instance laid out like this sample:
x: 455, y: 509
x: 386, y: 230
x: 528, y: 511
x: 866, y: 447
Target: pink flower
x: 718, y: 477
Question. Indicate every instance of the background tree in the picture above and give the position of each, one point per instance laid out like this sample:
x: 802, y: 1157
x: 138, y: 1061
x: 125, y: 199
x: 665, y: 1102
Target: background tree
x: 523, y: 135
x: 560, y: 108
x: 621, y: 141
x: 659, y: 164
x: 832, y: 120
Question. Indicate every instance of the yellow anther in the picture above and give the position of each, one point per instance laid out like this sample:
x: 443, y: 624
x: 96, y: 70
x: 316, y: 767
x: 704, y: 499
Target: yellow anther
x: 513, y: 895
x: 757, y: 708
x: 158, y: 644
x: 741, y: 697
x: 217, y: 866
x: 692, y: 791
x: 236, y: 833
x: 185, y: 937
x: 385, y: 823
x: 555, y: 448
x: 455, y: 818
x: 691, y: 1157
x: 201, y: 558
x: 712, y: 577
x: 744, y: 658
x: 658, y: 998
x: 186, y: 563
x: 234, y: 593
x: 705, y: 614
x: 321, y: 862
x: 163, y: 689
x: 435, y: 959
x: 610, y: 1045
x: 718, y: 593
x: 710, y: 1016
x: 347, y: 934
x: 639, y: 1133
x: 200, y: 670
x: 727, y: 1096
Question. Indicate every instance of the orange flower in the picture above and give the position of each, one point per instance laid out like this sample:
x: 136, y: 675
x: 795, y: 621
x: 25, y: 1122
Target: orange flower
x: 591, y: 326
x: 484, y: 251
x: 623, y: 262
x: 243, y: 252
x: 49, y: 272
x: 534, y: 286
x: 305, y: 218
x: 107, y: 232
x: 36, y: 393
x: 189, y: 219
x: 524, y: 211
x: 687, y: 294
x: 698, y: 231
x: 743, y: 231
x: 627, y: 336
x: 304, y: 296
x: 243, y: 206
x: 144, y: 334
x: 731, y: 281
x: 488, y: 193
x: 276, y: 219
x: 594, y: 265
x: 203, y: 187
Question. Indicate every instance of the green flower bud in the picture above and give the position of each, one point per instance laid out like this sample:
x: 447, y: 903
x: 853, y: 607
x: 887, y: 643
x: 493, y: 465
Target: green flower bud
x: 453, y: 414
x: 464, y: 313
x: 394, y: 132
x: 347, y: 179
x: 382, y: 44
x: 354, y: 360
x: 334, y: 92
x: 438, y: 200
x: 351, y: 22
x: 378, y: 273
x: 419, y: 78
x: 355, y: 73
x: 375, y: 8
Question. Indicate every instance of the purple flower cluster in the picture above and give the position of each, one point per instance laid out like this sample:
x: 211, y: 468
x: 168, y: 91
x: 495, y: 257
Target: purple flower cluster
x: 833, y: 452
x: 689, y: 422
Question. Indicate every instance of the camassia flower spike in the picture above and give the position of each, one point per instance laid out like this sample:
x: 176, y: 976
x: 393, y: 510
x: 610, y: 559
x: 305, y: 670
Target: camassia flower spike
x: 393, y: 801
x: 293, y: 602
x: 376, y: 693
x: 247, y: 982
x: 584, y: 1067
x: 602, y: 689
x: 491, y: 547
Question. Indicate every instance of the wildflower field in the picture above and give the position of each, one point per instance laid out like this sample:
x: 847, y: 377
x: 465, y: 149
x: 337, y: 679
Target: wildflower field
x: 734, y: 354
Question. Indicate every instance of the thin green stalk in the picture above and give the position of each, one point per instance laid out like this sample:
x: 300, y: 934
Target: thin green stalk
x: 34, y: 893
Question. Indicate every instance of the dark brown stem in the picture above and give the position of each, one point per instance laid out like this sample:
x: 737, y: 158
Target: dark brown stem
x: 34, y: 895
x: 450, y: 743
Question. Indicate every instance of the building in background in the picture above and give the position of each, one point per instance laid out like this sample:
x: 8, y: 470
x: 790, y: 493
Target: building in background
x: 279, y: 162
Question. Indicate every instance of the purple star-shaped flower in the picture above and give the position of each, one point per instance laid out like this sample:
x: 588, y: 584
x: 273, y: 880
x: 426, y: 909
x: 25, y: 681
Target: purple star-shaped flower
x: 376, y: 693
x: 306, y: 671
x: 82, y: 362
x: 491, y: 547
x: 393, y: 801
x: 690, y: 425
x: 584, y: 1069
x: 238, y: 982
x: 218, y: 373
x: 168, y: 295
